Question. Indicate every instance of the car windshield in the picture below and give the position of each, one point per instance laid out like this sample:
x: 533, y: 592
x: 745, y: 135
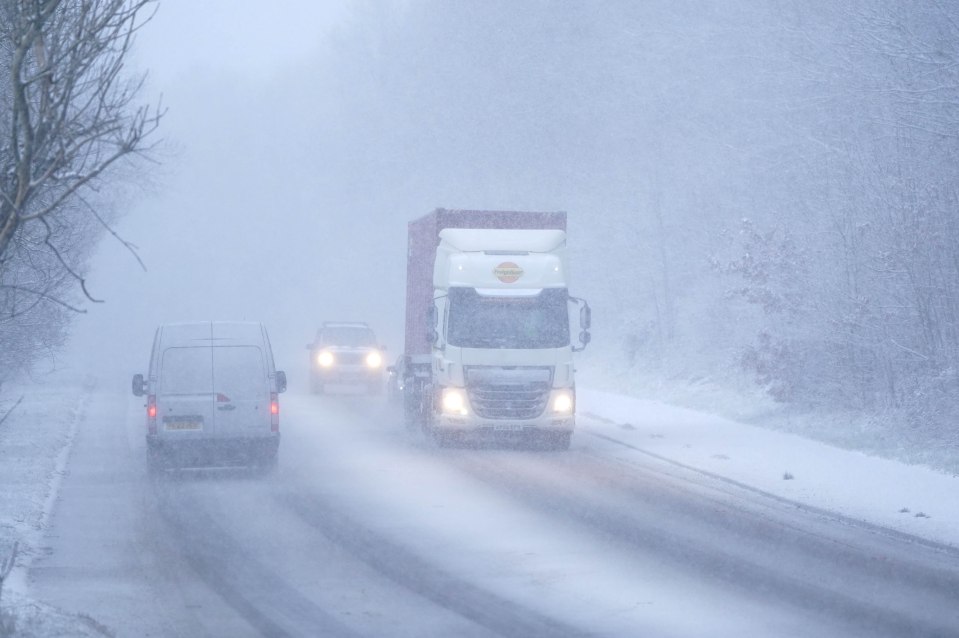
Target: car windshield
x: 356, y: 336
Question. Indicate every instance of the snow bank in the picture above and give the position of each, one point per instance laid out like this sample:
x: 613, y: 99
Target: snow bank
x: 911, y: 499
x: 35, y: 441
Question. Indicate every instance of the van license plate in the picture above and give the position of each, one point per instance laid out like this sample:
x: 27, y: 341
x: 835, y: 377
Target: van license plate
x: 507, y: 428
x: 183, y: 425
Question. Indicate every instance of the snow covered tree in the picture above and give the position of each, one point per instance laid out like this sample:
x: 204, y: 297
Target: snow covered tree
x: 68, y: 122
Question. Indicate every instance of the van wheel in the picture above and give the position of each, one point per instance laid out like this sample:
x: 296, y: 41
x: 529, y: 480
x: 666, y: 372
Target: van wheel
x: 316, y: 387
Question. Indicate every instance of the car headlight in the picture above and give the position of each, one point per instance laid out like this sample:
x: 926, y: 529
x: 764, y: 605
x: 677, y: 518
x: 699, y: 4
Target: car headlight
x: 374, y: 359
x: 454, y: 401
x: 325, y: 359
x: 563, y: 402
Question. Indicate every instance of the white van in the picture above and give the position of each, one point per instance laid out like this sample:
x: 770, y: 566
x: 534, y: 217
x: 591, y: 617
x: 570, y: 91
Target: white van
x: 212, y: 396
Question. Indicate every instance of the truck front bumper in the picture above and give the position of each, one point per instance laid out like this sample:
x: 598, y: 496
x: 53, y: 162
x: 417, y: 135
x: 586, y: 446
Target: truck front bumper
x: 468, y: 424
x: 504, y: 409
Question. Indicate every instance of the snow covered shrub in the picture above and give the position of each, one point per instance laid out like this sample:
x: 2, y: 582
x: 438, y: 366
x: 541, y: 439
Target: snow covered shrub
x: 771, y: 362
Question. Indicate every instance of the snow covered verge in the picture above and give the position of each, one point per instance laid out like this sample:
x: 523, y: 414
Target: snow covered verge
x: 916, y: 500
x: 35, y: 441
x: 735, y: 395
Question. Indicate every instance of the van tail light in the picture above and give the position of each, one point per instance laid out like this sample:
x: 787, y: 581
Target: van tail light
x: 274, y: 412
x: 152, y: 414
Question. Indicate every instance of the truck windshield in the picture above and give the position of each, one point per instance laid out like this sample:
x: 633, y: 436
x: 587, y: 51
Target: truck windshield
x: 477, y: 321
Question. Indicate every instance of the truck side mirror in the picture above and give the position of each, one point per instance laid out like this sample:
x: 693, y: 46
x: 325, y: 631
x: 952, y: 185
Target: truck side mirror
x: 585, y: 317
x: 433, y: 316
x: 139, y: 387
x: 280, y: 381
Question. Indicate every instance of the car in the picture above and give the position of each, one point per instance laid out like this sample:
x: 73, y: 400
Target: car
x: 212, y: 397
x: 346, y: 353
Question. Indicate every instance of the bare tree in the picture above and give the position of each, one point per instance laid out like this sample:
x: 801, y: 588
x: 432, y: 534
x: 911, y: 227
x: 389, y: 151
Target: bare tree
x: 69, y: 122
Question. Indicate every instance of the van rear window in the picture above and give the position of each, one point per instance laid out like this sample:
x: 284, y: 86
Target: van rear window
x: 186, y: 371
x: 238, y: 371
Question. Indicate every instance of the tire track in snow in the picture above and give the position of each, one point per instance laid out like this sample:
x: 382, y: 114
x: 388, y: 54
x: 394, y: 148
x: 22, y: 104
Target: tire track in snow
x: 734, y: 544
x: 257, y: 592
x: 416, y: 574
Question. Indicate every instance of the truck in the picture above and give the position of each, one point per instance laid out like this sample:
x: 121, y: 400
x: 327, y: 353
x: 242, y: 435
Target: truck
x: 488, y: 347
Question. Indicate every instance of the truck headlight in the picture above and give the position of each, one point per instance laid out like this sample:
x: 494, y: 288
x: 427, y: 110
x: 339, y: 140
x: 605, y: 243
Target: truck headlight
x: 454, y: 401
x: 374, y: 359
x: 325, y: 359
x: 562, y: 402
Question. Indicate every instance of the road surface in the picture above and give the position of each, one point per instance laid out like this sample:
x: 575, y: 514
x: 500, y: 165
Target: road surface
x: 366, y: 530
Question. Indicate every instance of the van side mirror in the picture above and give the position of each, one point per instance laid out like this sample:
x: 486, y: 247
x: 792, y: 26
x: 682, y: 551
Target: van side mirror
x: 138, y: 385
x: 280, y: 381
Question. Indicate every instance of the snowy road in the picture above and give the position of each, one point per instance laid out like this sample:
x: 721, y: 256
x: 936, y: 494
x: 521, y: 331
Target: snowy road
x: 366, y: 531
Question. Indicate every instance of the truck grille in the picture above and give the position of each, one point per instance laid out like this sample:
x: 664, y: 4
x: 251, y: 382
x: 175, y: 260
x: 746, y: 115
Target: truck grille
x: 508, y: 393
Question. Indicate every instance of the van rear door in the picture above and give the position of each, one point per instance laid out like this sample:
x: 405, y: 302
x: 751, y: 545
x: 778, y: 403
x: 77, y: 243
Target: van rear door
x: 185, y: 393
x: 242, y: 391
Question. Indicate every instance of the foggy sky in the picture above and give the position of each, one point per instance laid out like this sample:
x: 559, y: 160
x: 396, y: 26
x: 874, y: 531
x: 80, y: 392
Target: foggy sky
x: 224, y: 231
x: 301, y: 144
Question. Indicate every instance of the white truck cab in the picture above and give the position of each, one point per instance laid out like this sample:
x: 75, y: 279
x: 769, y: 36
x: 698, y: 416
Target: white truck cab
x: 498, y: 328
x: 488, y: 345
x: 502, y: 353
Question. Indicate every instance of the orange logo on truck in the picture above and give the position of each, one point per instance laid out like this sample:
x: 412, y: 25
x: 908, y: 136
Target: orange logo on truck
x: 508, y: 272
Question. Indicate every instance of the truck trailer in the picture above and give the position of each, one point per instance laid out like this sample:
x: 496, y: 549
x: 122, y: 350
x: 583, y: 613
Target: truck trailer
x: 488, y: 333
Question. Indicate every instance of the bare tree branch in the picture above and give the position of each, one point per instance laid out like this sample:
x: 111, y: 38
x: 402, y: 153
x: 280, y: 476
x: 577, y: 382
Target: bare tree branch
x: 131, y: 247
x: 69, y: 120
x: 46, y: 297
x: 10, y: 411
